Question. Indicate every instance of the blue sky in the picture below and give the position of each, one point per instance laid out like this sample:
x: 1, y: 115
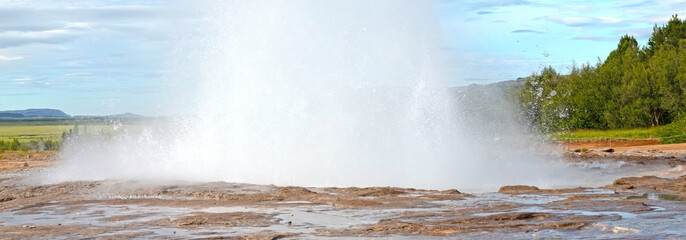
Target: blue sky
x: 106, y: 57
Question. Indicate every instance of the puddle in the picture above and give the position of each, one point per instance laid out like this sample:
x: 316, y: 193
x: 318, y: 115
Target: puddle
x: 484, y: 199
x: 533, y: 199
x: 296, y: 202
x: 657, y: 196
x: 89, y: 214
x: 591, y: 191
x: 576, y: 212
x: 657, y: 208
x: 613, y: 228
x: 229, y: 209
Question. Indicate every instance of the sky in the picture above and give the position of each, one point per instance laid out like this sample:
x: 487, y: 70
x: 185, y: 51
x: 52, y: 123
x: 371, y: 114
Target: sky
x: 100, y: 57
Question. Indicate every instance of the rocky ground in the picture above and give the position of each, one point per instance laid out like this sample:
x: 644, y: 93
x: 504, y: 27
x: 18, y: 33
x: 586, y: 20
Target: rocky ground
x: 630, y: 207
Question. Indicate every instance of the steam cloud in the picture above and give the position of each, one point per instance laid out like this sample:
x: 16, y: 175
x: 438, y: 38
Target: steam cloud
x: 317, y: 93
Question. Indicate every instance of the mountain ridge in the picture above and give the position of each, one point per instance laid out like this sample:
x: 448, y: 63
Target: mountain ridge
x: 34, y: 112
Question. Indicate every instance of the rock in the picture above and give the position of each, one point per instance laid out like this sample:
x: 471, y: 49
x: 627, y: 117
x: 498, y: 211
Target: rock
x: 517, y: 188
x: 292, y: 192
x: 26, y: 164
x: 6, y: 198
x: 575, y: 150
x: 450, y: 191
x: 379, y: 191
x: 232, y: 219
x: 628, y: 182
x: 607, y: 150
x: 356, y: 203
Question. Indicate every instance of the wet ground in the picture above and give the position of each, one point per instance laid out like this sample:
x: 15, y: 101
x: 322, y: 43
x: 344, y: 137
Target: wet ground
x: 632, y: 207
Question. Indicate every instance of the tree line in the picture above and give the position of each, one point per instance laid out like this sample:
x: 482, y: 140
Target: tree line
x: 634, y: 87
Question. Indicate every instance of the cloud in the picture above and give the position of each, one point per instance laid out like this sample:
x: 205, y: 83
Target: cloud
x: 22, y: 80
x: 639, y: 33
x: 484, y: 12
x: 10, y: 58
x: 21, y: 15
x: 28, y: 25
x: 498, y: 3
x: 637, y: 5
x: 15, y: 38
x: 596, y: 38
x: 17, y: 94
x: 584, y: 21
x: 526, y: 31
x: 77, y: 74
x: 33, y: 82
x: 661, y: 18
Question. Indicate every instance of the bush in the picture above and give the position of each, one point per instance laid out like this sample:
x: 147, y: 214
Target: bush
x: 674, y: 132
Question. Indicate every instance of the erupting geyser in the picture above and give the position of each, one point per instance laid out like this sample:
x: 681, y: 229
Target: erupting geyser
x: 311, y: 93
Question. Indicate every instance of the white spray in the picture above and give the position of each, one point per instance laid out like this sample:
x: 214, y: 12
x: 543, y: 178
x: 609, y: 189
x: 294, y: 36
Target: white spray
x: 312, y: 93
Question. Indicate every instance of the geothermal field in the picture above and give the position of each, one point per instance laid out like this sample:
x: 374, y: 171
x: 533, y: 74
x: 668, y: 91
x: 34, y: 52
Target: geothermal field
x: 332, y: 119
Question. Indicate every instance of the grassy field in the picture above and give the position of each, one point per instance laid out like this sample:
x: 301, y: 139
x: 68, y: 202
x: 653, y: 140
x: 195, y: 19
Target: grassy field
x: 628, y: 134
x: 33, y: 132
x: 26, y: 131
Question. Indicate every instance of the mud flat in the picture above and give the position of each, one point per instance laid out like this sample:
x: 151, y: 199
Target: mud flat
x: 630, y: 207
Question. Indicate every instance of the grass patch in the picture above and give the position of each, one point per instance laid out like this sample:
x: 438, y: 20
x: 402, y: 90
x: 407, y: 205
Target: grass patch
x: 635, y: 133
x: 31, y: 131
x: 674, y: 132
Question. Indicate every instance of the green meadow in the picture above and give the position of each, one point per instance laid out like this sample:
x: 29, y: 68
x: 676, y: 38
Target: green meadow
x: 614, y: 134
x: 29, y: 133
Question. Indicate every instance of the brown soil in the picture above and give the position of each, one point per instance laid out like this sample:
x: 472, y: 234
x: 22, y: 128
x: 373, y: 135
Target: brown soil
x: 592, y: 144
x: 517, y: 189
x: 641, y: 152
x: 667, y: 148
x: 18, y: 160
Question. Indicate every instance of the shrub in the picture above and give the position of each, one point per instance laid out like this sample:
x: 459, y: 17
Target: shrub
x: 674, y: 132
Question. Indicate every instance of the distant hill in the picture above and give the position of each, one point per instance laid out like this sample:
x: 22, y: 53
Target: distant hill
x: 126, y: 115
x: 11, y: 115
x: 46, y: 112
x: 488, y: 108
x: 498, y: 89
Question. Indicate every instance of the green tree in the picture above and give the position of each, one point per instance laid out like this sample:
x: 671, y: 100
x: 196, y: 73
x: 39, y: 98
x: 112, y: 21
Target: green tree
x: 632, y: 87
x: 669, y: 35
